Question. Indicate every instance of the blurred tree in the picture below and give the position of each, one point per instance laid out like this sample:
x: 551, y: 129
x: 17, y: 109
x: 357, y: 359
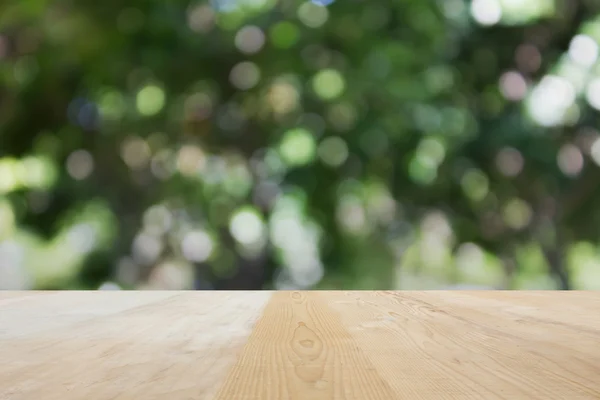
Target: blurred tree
x: 276, y: 144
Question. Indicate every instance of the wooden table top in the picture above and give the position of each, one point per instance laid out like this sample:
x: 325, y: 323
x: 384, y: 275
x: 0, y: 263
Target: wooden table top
x: 299, y: 345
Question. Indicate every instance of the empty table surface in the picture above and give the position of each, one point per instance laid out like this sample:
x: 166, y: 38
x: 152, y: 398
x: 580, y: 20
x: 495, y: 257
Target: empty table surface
x: 299, y: 345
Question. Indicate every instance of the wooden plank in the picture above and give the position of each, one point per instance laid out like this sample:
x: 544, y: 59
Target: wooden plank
x: 8, y: 296
x: 299, y: 345
x: 300, y: 350
x: 24, y: 315
x: 178, y: 347
x: 471, y: 352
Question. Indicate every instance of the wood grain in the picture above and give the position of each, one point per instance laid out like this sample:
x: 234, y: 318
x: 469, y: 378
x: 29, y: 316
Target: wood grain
x: 306, y: 354
x: 299, y: 345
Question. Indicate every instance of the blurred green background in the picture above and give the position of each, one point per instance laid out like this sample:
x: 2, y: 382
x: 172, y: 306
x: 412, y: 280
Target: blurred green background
x: 276, y: 144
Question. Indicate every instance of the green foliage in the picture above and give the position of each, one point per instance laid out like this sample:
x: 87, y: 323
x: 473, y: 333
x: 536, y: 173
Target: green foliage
x: 280, y: 143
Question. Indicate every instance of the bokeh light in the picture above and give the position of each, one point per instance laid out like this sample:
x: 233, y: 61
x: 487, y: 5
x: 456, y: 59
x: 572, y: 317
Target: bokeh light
x: 150, y: 100
x: 263, y: 144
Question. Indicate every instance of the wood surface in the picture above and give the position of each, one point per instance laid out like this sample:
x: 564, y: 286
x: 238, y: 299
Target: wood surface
x: 299, y: 345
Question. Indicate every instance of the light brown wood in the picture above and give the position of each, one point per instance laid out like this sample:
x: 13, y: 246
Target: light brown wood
x: 299, y: 345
